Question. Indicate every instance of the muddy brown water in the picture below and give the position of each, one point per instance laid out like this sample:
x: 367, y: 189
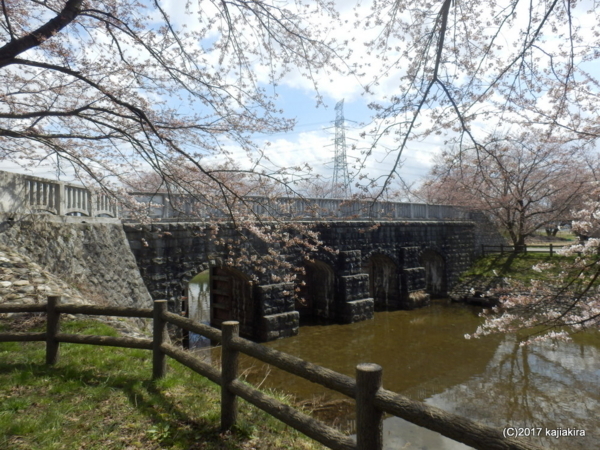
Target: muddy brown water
x: 425, y: 356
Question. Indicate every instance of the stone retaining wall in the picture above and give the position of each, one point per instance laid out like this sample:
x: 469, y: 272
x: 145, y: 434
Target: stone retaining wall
x: 92, y: 258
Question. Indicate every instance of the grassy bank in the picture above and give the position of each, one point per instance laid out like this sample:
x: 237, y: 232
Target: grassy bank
x: 101, y: 398
x: 518, y: 267
x: 490, y: 272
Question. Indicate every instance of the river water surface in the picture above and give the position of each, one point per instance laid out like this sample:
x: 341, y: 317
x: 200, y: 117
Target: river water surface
x: 425, y: 356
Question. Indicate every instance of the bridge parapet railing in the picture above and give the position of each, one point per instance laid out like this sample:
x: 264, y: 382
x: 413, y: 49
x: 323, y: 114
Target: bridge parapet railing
x: 372, y: 401
x: 42, y: 195
x: 104, y: 205
x: 77, y: 200
x: 26, y: 194
x: 164, y: 206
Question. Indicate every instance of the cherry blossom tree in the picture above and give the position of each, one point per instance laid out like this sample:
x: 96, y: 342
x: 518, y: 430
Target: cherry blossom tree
x: 113, y: 90
x: 524, y: 184
x: 569, y: 302
x: 467, y: 70
x: 122, y: 86
x: 520, y: 182
x: 109, y: 88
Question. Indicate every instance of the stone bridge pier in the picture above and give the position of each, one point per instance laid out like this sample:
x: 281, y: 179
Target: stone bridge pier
x: 393, y: 265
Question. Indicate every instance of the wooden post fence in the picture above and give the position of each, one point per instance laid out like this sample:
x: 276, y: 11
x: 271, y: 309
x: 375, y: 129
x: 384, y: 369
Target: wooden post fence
x: 229, y: 369
x: 159, y: 360
x: 520, y: 249
x: 52, y: 329
x: 372, y: 401
x: 369, y: 418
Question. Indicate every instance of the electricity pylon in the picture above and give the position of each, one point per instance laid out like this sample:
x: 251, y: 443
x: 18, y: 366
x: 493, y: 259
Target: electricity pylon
x: 341, y: 179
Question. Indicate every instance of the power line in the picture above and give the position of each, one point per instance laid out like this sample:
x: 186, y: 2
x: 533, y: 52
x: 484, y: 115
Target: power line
x: 341, y: 179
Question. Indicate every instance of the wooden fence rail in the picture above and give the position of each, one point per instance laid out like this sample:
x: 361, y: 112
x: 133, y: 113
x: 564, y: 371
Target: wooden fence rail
x: 372, y: 401
x: 500, y: 249
x: 550, y: 248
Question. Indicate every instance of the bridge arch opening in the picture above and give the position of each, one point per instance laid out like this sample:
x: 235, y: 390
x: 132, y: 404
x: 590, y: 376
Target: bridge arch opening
x: 384, y: 282
x: 435, y: 273
x: 317, y: 291
x: 231, y: 298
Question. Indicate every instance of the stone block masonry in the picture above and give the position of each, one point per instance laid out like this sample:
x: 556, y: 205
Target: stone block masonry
x: 457, y: 243
x: 276, y: 305
x: 92, y: 257
x: 415, y: 251
x: 411, y: 257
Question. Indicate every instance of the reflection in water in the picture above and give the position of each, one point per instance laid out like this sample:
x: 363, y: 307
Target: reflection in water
x: 542, y: 386
x: 199, y: 307
x: 422, y: 352
x: 424, y: 356
x: 400, y: 434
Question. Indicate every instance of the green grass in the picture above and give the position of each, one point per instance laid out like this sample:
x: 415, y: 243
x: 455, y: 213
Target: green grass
x: 517, y: 267
x: 101, y: 398
x: 201, y: 278
x: 565, y: 237
x: 568, y: 236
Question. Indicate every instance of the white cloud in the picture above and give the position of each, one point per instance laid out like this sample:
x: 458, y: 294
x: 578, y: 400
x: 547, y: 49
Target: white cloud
x: 315, y: 147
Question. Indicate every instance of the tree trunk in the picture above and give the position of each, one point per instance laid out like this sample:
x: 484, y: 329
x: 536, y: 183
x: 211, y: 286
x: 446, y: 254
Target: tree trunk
x: 519, y: 244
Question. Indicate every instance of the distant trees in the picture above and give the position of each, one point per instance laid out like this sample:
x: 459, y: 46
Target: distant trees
x: 463, y: 67
x: 221, y: 192
x: 567, y: 300
x: 521, y: 182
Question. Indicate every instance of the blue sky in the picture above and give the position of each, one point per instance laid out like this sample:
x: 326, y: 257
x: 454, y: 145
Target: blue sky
x: 312, y: 140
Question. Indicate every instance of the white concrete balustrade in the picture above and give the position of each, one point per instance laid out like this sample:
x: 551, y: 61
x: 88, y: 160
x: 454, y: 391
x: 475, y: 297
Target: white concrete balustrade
x: 26, y: 194
x: 164, y: 207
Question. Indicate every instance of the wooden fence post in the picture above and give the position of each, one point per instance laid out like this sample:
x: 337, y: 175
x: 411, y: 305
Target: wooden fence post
x: 52, y: 329
x: 369, y: 420
x: 229, y: 369
x: 159, y: 362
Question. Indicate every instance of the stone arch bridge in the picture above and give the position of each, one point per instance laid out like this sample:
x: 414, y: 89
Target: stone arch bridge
x: 394, y: 265
x: 413, y: 252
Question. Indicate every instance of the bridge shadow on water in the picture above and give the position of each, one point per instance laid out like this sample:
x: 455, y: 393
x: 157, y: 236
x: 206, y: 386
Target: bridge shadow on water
x: 313, y: 321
